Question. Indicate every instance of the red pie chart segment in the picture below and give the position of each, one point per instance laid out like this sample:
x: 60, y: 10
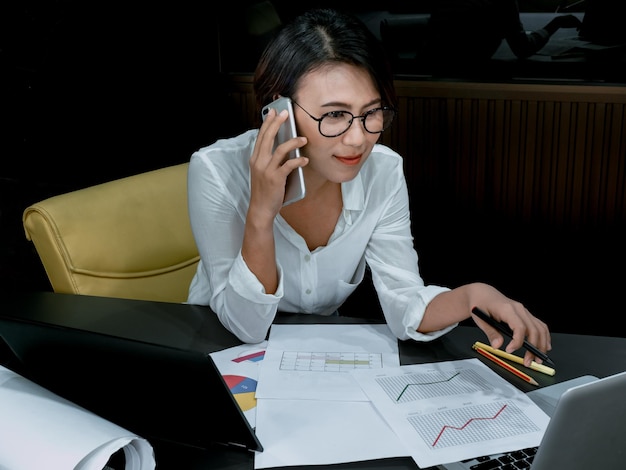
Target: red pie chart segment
x: 243, y: 389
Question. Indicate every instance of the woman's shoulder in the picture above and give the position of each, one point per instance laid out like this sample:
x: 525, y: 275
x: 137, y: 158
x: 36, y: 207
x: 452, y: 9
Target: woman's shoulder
x: 384, y: 156
x: 383, y: 167
x: 225, y: 157
x: 239, y: 143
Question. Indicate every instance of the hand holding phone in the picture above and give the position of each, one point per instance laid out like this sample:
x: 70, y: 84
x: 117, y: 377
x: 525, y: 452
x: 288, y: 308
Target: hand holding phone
x: 294, y: 189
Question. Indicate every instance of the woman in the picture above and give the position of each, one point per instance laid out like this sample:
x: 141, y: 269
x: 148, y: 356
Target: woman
x: 258, y: 256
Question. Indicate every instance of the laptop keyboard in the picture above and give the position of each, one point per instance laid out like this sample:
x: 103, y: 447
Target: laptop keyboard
x: 516, y: 460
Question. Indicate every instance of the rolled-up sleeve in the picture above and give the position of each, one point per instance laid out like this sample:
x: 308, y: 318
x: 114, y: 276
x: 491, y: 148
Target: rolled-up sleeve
x: 393, y: 260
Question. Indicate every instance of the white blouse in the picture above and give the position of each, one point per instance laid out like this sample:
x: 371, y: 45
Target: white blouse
x: 374, y: 228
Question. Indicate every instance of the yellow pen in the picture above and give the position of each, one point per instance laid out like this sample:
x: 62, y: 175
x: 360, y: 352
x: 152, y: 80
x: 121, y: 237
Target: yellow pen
x: 512, y: 357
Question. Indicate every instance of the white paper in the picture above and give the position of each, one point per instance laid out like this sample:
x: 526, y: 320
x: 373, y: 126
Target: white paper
x: 311, y: 362
x: 310, y: 410
x: 314, y: 432
x: 239, y: 366
x: 449, y: 411
x: 39, y: 429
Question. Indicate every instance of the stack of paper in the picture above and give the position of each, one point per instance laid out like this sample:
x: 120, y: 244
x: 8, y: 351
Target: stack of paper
x: 39, y: 429
x: 328, y: 394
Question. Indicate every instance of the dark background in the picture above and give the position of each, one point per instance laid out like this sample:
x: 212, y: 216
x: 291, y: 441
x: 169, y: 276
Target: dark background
x: 94, y: 91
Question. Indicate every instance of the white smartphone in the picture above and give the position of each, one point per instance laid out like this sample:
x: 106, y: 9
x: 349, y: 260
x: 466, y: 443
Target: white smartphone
x: 294, y: 189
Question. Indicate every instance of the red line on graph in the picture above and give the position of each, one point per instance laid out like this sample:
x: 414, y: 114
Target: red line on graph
x: 465, y: 425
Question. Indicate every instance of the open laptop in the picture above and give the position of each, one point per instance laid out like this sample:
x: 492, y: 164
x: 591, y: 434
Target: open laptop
x: 586, y: 429
x: 155, y: 391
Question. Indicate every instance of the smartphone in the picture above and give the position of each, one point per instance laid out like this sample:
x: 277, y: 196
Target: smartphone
x: 294, y: 189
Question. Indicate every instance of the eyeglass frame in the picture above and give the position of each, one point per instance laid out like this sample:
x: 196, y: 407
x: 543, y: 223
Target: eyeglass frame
x: 362, y: 117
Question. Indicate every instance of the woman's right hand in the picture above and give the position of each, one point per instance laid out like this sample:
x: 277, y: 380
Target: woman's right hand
x: 269, y: 168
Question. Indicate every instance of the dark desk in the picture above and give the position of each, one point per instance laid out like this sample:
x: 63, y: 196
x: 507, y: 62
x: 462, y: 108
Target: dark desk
x: 197, y: 328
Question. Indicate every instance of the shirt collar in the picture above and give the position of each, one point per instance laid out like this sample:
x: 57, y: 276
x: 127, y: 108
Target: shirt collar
x: 353, y: 195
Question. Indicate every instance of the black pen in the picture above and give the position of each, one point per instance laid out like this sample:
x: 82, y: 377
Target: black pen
x: 504, y: 329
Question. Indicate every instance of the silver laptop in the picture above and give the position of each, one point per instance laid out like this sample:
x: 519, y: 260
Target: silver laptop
x: 586, y: 429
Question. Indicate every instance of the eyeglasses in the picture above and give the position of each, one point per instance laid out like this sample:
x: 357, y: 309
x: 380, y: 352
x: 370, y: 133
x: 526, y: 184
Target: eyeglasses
x: 335, y: 123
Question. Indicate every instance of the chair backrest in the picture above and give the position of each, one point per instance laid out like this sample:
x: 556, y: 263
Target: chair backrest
x: 127, y: 238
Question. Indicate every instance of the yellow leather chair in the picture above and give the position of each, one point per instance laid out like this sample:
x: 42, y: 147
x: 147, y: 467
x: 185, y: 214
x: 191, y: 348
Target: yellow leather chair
x: 128, y: 238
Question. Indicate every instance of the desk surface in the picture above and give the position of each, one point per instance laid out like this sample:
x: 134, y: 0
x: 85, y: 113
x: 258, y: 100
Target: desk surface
x: 197, y: 328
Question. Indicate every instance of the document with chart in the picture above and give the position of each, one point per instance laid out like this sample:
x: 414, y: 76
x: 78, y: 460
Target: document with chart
x: 239, y: 366
x: 313, y: 361
x: 449, y: 411
x: 310, y: 410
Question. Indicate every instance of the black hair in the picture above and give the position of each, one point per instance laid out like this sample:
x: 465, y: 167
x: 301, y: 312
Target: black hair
x: 316, y: 38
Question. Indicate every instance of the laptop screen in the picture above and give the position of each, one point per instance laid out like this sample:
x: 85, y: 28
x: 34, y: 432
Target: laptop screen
x: 154, y: 391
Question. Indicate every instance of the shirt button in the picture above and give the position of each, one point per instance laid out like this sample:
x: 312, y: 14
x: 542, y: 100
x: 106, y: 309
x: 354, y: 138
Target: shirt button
x: 307, y: 257
x: 308, y: 291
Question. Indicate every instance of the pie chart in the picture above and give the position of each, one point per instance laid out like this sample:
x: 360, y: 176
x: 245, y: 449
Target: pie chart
x: 243, y: 389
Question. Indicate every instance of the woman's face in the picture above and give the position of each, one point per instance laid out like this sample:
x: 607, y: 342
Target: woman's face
x: 336, y: 87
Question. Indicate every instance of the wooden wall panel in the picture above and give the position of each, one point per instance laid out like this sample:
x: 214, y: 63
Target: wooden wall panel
x: 536, y: 153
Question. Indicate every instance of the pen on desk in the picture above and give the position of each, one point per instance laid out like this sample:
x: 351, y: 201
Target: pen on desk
x: 509, y: 367
x: 504, y: 329
x: 512, y: 357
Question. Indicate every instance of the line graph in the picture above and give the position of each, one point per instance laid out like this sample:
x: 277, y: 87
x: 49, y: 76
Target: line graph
x: 453, y: 410
x: 411, y: 387
x: 471, y: 424
x: 425, y: 384
x: 471, y: 420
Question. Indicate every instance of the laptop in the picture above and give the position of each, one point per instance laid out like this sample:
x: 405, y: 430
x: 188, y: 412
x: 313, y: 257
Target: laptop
x: 586, y: 429
x: 155, y: 391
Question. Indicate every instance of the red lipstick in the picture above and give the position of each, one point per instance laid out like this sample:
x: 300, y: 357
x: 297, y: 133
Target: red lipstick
x: 349, y: 160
